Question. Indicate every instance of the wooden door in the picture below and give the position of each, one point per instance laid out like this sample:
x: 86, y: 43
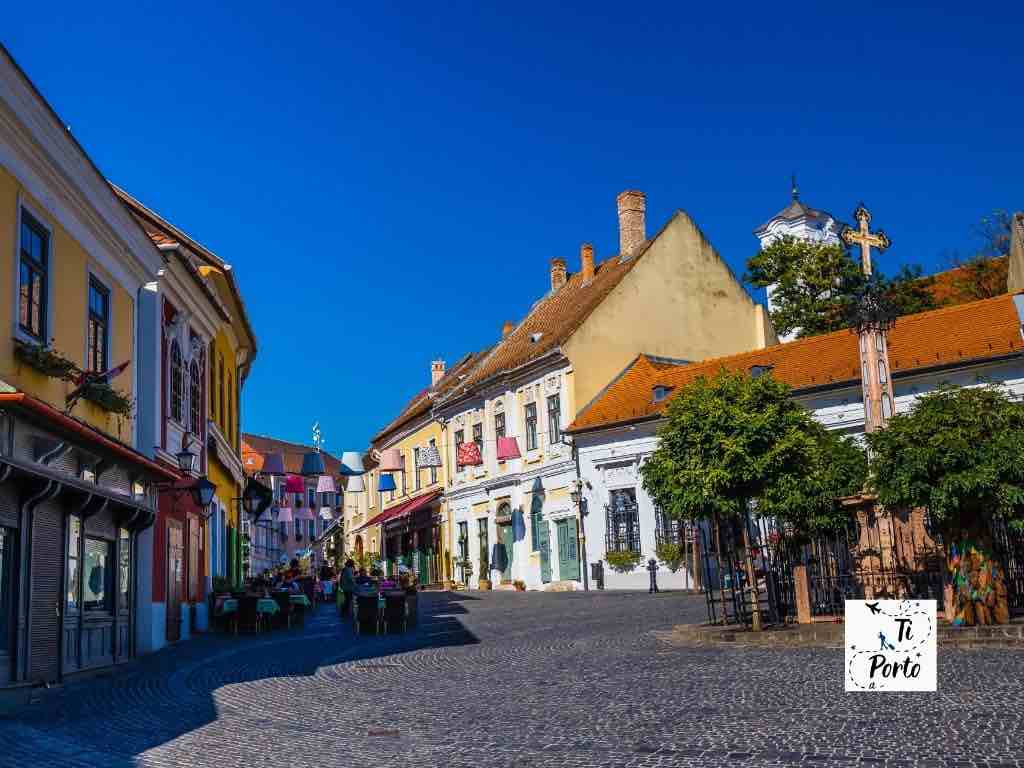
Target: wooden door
x: 507, y: 540
x: 544, y: 546
x: 568, y: 559
x: 175, y: 578
x: 194, y: 562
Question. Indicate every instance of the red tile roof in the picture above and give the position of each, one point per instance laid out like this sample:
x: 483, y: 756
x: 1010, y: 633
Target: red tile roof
x: 963, y: 333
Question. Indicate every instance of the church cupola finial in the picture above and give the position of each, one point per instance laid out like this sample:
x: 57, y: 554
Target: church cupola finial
x: 794, y: 190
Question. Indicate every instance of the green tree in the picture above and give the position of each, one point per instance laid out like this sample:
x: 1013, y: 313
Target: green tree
x: 733, y: 440
x: 815, y: 285
x: 810, y: 293
x: 959, y: 453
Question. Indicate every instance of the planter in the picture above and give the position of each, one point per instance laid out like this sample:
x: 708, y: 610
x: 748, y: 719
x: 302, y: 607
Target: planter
x: 520, y: 586
x: 45, y: 360
x: 107, y: 398
x: 484, y: 584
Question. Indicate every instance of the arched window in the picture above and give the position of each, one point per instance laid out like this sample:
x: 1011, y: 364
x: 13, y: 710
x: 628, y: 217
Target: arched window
x: 881, y: 372
x: 195, y: 400
x: 177, y: 384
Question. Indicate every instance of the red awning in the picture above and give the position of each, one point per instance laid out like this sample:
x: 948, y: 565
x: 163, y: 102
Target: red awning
x: 418, y: 502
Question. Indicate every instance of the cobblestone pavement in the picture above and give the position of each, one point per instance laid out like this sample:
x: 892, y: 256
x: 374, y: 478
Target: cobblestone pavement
x: 511, y: 679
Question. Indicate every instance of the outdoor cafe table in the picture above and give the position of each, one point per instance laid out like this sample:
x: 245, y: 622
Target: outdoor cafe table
x: 224, y: 607
x: 267, y: 605
x: 300, y: 600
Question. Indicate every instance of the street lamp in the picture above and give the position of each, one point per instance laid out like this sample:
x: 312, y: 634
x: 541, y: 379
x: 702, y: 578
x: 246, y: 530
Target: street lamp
x: 186, y: 458
x: 202, y: 491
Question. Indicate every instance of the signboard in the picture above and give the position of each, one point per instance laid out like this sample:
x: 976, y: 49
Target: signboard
x: 890, y: 645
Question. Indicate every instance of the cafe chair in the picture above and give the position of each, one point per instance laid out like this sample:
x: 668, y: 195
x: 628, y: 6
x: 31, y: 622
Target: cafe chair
x: 248, y: 617
x: 366, y: 617
x: 284, y: 616
x: 395, y: 612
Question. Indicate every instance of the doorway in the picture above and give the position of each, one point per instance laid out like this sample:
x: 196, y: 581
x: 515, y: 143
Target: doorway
x: 568, y: 558
x: 175, y: 578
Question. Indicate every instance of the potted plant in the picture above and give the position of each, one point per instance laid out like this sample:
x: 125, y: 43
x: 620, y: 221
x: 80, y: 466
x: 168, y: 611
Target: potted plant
x: 519, y: 585
x: 107, y: 398
x: 45, y: 359
x: 623, y: 561
x: 483, y: 583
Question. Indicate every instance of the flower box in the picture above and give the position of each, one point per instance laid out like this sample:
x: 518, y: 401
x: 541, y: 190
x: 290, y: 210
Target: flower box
x: 46, y: 360
x: 107, y: 398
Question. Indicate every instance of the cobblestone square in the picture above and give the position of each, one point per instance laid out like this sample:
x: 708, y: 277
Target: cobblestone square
x: 512, y: 679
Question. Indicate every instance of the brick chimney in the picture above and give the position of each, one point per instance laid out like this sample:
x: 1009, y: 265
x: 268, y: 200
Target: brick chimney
x: 506, y: 329
x: 632, y: 231
x: 557, y: 273
x: 436, y: 372
x: 587, y: 262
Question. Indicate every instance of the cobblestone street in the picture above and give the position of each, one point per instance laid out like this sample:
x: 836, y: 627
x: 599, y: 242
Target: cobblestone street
x: 510, y: 679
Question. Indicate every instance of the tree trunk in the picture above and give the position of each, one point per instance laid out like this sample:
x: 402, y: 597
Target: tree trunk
x: 755, y: 598
x: 977, y: 576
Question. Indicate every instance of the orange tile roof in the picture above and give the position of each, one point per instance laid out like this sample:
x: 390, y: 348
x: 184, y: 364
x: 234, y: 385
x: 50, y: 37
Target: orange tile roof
x: 944, y: 288
x: 966, y: 332
x: 554, y: 318
x: 256, y: 447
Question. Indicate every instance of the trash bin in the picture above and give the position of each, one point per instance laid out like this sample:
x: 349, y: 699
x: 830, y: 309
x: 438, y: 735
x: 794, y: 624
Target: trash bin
x: 597, y: 574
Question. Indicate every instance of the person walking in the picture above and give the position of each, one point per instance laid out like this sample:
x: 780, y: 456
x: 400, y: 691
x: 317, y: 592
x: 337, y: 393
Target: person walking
x: 348, y: 586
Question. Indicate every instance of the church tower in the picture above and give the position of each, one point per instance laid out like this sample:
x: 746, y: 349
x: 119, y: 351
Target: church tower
x: 799, y: 221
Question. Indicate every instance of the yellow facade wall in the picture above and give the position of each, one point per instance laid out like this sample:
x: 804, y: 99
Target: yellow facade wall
x: 69, y: 269
x: 680, y: 300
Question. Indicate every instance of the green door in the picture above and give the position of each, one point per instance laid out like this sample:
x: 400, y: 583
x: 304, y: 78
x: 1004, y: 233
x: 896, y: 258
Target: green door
x: 507, y: 540
x: 568, y: 561
x: 544, y: 546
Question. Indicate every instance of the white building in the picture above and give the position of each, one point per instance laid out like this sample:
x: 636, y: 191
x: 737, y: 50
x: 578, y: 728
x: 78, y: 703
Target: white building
x: 965, y: 345
x: 798, y: 221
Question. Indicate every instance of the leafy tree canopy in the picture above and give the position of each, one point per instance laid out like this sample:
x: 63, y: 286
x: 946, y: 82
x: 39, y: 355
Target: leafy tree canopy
x: 732, y: 438
x: 815, y: 285
x: 958, y: 452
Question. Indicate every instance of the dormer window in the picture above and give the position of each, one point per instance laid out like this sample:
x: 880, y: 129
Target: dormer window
x: 660, y: 392
x: 757, y: 371
x: 535, y: 337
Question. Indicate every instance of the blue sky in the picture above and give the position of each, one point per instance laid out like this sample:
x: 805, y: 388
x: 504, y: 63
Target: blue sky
x: 390, y: 181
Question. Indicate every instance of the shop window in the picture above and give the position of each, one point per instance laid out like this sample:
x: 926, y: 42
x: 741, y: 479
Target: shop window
x: 124, y: 554
x: 463, y: 541
x: 98, y: 326
x: 98, y: 576
x: 531, y: 426
x: 177, y: 384
x: 482, y: 542
x: 623, y: 533
x: 73, y: 601
x: 32, y: 277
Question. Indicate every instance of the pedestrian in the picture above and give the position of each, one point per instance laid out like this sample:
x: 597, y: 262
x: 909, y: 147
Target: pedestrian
x: 348, y: 586
x: 652, y: 568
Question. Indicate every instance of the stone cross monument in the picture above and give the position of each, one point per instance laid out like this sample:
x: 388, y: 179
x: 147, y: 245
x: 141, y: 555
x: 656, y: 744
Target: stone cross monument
x: 873, y: 322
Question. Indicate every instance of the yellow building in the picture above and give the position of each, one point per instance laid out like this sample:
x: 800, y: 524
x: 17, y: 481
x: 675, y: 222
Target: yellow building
x: 76, y: 490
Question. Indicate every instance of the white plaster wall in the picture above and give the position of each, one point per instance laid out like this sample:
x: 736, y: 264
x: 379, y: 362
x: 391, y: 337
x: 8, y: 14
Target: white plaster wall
x: 601, y: 453
x: 609, y: 461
